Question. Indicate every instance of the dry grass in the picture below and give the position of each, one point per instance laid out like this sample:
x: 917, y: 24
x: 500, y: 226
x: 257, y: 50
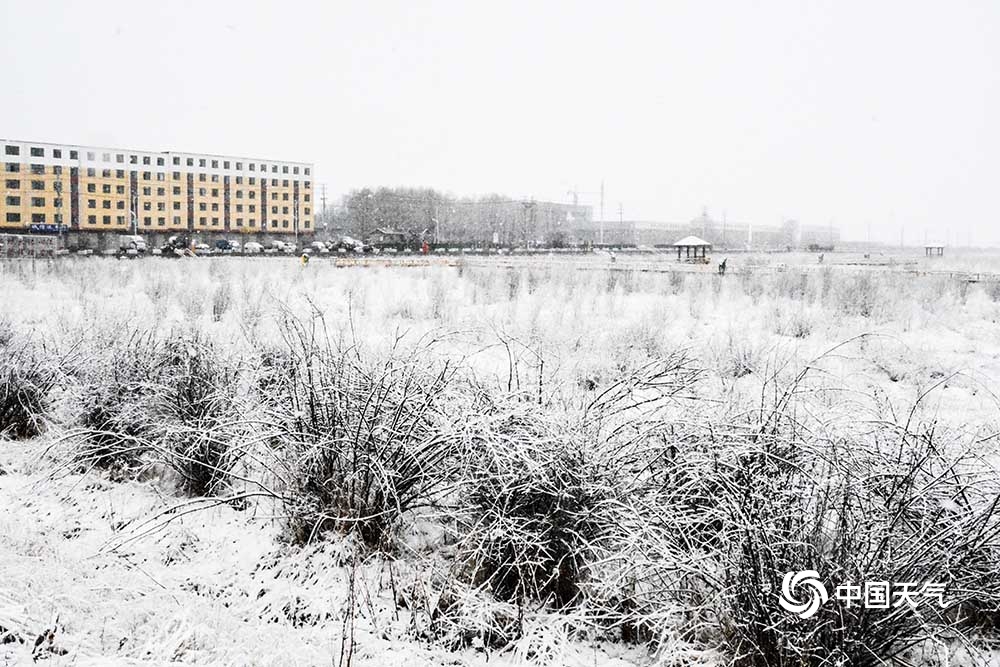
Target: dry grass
x: 545, y: 456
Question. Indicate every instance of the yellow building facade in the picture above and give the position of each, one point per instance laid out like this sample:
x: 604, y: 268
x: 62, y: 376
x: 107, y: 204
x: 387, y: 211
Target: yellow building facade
x: 82, y: 188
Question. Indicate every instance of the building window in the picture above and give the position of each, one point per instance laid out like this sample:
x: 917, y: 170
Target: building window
x: 284, y: 210
x: 145, y: 175
x: 177, y: 219
x: 274, y: 182
x: 120, y: 159
x: 13, y: 201
x: 73, y: 155
x: 253, y: 208
x: 146, y: 206
x: 201, y: 177
x: 306, y: 224
x: 38, y: 169
x: 37, y: 152
x: 239, y: 166
x: 201, y: 221
x: 215, y: 192
x: 215, y: 178
x: 38, y: 185
x: 295, y: 170
x: 306, y: 171
x: 57, y: 153
x: 307, y: 210
x: 57, y: 202
x: 38, y: 202
x: 38, y: 217
x: 284, y: 184
x: 307, y: 185
x: 161, y: 176
x: 305, y: 198
x: 13, y: 167
x: 13, y: 217
x: 106, y: 219
x: 215, y: 207
x: 201, y: 163
x: 120, y: 189
x: 147, y: 220
x: 106, y: 203
x: 215, y: 222
x: 121, y: 205
x: 160, y: 192
x: 190, y: 162
x: 202, y: 206
x: 13, y: 185
x: 57, y: 170
x: 274, y: 169
x: 239, y: 222
x: 161, y: 221
x: 252, y: 222
x: 159, y: 162
x: 177, y: 206
x: 274, y: 210
x: 120, y: 219
x: 239, y: 208
x: 177, y: 191
x: 92, y: 219
x: 252, y: 165
x: 239, y: 194
x: 119, y: 173
x: 106, y: 188
x: 284, y: 224
x: 177, y: 161
x: 253, y: 180
x: 145, y: 159
x: 12, y: 150
x: 91, y: 203
x: 284, y: 196
x: 91, y: 172
x: 215, y: 164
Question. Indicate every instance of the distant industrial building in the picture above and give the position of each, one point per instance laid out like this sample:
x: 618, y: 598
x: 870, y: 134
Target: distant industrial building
x: 720, y: 233
x: 70, y: 188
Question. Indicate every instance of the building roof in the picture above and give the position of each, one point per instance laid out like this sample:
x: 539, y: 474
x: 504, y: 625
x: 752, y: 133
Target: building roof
x: 692, y: 241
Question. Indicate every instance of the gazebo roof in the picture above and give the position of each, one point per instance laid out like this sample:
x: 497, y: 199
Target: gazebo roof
x: 933, y: 245
x: 692, y: 241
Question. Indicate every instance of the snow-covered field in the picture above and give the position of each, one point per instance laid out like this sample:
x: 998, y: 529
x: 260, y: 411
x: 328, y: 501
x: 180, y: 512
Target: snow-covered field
x: 536, y: 532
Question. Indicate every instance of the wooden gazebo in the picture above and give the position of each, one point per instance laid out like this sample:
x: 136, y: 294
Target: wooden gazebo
x: 934, y: 250
x: 690, y: 246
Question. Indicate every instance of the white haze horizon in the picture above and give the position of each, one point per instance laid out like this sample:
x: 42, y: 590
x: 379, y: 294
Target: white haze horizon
x: 875, y: 117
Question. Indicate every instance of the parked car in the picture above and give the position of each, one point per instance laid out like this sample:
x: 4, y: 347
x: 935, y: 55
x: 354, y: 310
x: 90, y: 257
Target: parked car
x: 252, y: 248
x: 224, y: 246
x: 130, y: 245
x: 176, y: 246
x: 318, y: 247
x: 202, y: 249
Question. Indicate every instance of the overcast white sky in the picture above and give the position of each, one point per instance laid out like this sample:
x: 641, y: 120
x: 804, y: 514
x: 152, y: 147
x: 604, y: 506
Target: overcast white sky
x: 856, y: 112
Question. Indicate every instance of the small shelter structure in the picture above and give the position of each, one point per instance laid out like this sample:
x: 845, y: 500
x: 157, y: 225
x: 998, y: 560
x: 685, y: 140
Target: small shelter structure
x: 934, y: 250
x: 693, y: 249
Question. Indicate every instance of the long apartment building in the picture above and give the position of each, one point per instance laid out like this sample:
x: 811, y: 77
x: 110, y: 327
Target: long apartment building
x: 92, y: 189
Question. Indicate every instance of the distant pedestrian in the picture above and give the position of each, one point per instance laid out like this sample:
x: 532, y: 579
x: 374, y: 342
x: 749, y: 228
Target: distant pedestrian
x: 305, y: 258
x: 612, y: 257
x: 722, y: 267
x: 821, y: 258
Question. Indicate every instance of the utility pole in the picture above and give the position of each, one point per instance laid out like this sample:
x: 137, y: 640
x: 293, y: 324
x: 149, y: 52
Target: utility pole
x: 601, y: 235
x: 323, y: 199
